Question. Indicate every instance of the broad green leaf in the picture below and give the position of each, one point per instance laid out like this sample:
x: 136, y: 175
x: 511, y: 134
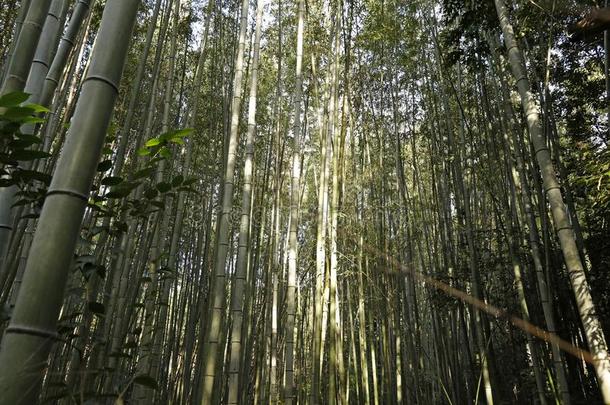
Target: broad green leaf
x: 37, y: 108
x: 96, y: 307
x: 18, y: 143
x: 176, y: 134
x: 165, y: 153
x: 32, y: 138
x: 164, y: 187
x: 104, y: 165
x: 120, y: 226
x: 147, y: 171
x: 13, y: 99
x: 90, y: 268
x: 152, y: 142
x: 111, y: 181
x: 143, y: 152
x: 122, y: 190
x: 176, y: 181
x: 9, y: 128
x: 32, y: 120
x: 26, y: 155
x: 17, y: 113
x: 151, y: 193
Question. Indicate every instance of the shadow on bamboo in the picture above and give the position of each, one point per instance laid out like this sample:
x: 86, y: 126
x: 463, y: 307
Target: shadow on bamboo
x: 483, y: 306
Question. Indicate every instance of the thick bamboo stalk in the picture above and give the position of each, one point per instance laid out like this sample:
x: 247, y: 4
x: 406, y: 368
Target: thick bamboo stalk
x: 30, y: 335
x: 593, y: 331
x: 237, y: 300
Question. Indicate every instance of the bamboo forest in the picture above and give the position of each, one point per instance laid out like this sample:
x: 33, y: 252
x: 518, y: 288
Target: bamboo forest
x: 304, y: 202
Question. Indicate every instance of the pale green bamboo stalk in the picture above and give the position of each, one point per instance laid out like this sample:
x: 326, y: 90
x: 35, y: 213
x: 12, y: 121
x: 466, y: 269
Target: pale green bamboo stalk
x: 237, y: 299
x: 217, y: 292
x: 17, y: 71
x: 23, y: 11
x: 29, y: 337
x: 592, y: 327
x: 123, y: 136
x: 26, y: 42
x: 79, y: 12
x: 321, y: 223
x: 158, y: 290
x: 40, y: 64
x: 336, y: 366
x: 289, y: 394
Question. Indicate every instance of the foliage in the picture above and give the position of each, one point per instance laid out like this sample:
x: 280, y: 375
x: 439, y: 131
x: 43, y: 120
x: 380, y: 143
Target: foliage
x: 19, y: 152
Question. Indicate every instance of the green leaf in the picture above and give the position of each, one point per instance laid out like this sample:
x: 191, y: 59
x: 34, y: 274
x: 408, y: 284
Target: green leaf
x: 120, y: 226
x: 90, y: 268
x: 104, y: 165
x: 153, y: 142
x: 27, y: 154
x: 146, y: 381
x: 176, y: 134
x: 96, y: 307
x: 111, y: 181
x: 122, y: 190
x: 164, y: 187
x: 17, y: 113
x: 99, y: 269
x: 143, y: 152
x: 29, y: 175
x: 31, y: 138
x: 151, y: 193
x: 165, y: 153
x: 32, y: 120
x: 37, y: 108
x: 146, y: 172
x: 13, y: 99
x: 176, y: 181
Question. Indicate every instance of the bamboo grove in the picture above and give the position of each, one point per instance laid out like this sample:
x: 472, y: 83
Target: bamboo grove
x: 313, y: 202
